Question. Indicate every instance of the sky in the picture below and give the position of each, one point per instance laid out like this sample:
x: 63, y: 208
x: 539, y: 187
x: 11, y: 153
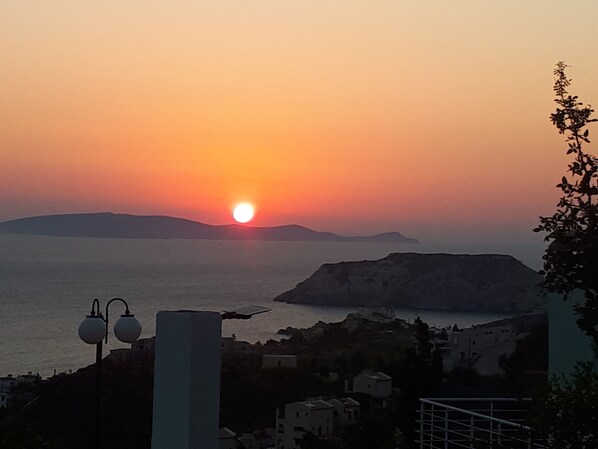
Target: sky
x: 425, y: 117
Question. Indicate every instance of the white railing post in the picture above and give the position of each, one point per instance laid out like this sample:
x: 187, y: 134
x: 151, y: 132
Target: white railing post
x: 529, y: 439
x: 491, y: 422
x: 499, y: 436
x: 432, y: 426
x: 446, y: 428
x: 422, y: 406
x: 471, y: 434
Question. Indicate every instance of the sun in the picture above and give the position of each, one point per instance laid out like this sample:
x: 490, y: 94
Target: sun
x: 243, y: 212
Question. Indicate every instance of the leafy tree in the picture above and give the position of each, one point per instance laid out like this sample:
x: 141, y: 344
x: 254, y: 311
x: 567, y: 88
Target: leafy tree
x: 420, y: 375
x: 568, y: 410
x: 571, y: 259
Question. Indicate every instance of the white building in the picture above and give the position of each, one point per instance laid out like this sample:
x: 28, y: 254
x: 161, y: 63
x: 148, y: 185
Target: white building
x: 8, y: 397
x: 468, y: 343
x: 347, y: 411
x: 378, y: 385
x: 297, y: 418
x: 7, y: 383
x: 320, y: 417
x: 481, y: 347
x: 6, y: 400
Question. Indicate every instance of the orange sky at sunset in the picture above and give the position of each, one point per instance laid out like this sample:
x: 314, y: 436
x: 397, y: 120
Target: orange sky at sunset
x: 340, y: 115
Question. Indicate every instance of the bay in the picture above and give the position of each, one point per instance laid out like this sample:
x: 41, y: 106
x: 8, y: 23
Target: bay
x: 47, y: 285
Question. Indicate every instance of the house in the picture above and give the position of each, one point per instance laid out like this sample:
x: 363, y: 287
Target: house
x: 481, y: 347
x: 28, y: 379
x: 297, y: 418
x: 7, y: 383
x: 8, y: 396
x: 6, y: 400
x: 468, y: 343
x: 279, y: 361
x: 378, y: 385
x: 346, y: 411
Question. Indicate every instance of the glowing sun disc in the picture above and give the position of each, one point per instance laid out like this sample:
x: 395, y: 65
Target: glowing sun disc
x: 243, y: 213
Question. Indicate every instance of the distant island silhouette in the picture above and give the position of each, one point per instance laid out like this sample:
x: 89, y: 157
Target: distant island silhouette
x: 110, y: 225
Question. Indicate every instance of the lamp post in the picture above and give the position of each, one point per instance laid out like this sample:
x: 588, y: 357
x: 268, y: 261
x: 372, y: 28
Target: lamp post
x: 93, y: 330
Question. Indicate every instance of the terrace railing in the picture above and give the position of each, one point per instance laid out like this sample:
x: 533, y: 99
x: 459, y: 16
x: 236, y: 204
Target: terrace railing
x: 476, y: 423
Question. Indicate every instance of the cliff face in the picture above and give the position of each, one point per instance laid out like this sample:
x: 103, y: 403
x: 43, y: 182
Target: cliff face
x: 486, y: 282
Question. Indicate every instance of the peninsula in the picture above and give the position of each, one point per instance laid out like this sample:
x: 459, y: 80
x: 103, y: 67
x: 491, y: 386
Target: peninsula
x: 109, y: 225
x: 476, y: 283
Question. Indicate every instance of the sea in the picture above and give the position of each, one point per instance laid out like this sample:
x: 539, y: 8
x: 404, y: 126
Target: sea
x: 47, y: 285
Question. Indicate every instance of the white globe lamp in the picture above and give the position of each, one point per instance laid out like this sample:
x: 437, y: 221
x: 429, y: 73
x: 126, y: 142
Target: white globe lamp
x: 127, y: 329
x: 92, y: 329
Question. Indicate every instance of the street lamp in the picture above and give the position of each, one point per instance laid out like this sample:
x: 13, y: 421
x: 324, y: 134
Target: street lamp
x: 93, y: 330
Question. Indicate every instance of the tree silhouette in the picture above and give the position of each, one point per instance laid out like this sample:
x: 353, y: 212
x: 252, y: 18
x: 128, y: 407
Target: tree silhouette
x: 571, y: 259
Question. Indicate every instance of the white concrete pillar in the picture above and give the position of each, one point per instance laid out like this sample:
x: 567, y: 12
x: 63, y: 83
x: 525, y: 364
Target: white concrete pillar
x: 187, y: 380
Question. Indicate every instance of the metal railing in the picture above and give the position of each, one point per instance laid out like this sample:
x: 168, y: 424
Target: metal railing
x: 475, y: 423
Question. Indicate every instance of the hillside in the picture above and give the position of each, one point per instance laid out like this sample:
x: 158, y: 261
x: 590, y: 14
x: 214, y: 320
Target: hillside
x: 487, y: 282
x: 109, y: 225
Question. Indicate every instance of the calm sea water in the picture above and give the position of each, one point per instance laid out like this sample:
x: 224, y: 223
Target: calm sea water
x: 47, y: 285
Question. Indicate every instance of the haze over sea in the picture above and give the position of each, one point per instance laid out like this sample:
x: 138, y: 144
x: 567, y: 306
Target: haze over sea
x: 47, y: 285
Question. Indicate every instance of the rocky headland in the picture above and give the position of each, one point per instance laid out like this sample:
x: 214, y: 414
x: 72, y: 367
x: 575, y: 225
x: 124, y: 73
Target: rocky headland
x: 458, y: 282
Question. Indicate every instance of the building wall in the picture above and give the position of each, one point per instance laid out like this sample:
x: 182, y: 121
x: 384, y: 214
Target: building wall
x: 369, y: 384
x: 346, y: 412
x: 469, y: 342
x: 6, y: 400
x: 298, y: 419
x: 7, y: 384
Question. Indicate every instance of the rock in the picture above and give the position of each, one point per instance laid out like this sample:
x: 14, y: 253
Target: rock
x: 483, y: 283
